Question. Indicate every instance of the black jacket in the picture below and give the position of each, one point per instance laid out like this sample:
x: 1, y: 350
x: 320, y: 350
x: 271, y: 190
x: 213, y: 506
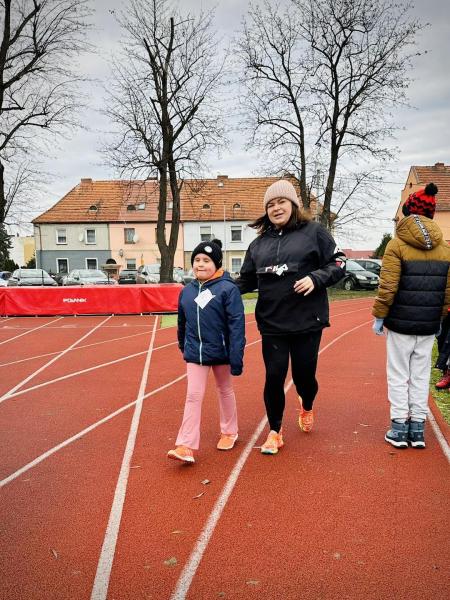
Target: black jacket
x: 275, y: 260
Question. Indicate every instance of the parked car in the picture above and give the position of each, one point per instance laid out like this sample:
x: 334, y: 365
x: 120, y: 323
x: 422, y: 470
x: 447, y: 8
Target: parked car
x: 88, y: 277
x: 30, y: 277
x: 4, y: 276
x: 60, y: 277
x: 357, y: 277
x: 127, y: 276
x: 150, y: 274
x: 370, y: 264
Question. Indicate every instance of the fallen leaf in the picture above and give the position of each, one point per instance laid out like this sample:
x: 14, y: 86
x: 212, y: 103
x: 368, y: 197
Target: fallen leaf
x: 135, y: 467
x: 171, y: 562
x: 205, y: 482
x: 364, y: 425
x: 198, y: 495
x: 176, y: 531
x: 252, y: 582
x: 337, y: 555
x: 221, y: 594
x: 55, y: 554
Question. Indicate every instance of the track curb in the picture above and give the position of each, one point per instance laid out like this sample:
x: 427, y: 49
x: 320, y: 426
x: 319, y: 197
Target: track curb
x: 443, y: 425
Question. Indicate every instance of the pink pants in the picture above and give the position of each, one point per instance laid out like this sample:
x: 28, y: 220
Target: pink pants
x: 197, y: 377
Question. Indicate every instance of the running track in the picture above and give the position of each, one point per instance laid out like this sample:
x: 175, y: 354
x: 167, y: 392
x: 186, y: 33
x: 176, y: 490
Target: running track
x: 90, y: 508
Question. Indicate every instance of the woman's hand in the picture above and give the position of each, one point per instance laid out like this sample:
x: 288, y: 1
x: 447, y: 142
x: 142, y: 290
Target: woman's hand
x: 304, y: 286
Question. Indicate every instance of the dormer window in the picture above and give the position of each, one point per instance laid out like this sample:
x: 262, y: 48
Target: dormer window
x: 206, y: 207
x: 236, y: 206
x: 93, y: 208
x: 141, y: 206
x: 131, y: 207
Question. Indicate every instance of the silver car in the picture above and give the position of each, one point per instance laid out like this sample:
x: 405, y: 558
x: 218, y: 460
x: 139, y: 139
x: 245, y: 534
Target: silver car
x: 151, y: 274
x: 88, y: 277
x: 30, y: 277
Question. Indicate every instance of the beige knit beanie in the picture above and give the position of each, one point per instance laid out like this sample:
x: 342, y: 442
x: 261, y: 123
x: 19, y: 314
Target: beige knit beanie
x: 281, y: 189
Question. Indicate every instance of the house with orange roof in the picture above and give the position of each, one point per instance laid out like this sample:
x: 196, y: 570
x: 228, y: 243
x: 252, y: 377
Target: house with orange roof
x: 101, y: 220
x: 418, y: 178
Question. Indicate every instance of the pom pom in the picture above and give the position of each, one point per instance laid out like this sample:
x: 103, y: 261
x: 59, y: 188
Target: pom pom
x: 218, y: 242
x: 431, y: 189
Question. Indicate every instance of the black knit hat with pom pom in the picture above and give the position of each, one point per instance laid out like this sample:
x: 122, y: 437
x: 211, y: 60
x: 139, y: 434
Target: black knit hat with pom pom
x: 422, y: 202
x: 213, y: 249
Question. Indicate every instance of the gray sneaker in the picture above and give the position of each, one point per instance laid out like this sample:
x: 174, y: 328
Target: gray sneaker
x: 397, y: 435
x: 416, y: 434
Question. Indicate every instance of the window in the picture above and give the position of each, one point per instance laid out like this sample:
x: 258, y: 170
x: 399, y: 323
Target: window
x: 131, y: 263
x: 205, y: 233
x: 129, y: 233
x: 90, y: 236
x: 236, y: 206
x: 93, y: 208
x: 141, y: 206
x: 62, y: 265
x: 131, y: 207
x: 91, y: 263
x: 206, y: 207
x: 61, y: 236
x: 236, y: 264
x: 236, y: 233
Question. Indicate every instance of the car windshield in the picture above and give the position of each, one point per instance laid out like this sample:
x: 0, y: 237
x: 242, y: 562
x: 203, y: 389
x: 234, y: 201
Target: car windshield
x: 91, y: 274
x: 153, y: 269
x: 32, y: 273
x: 127, y: 272
x: 354, y: 266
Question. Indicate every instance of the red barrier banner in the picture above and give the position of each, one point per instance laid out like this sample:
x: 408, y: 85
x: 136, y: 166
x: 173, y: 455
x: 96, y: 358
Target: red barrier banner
x: 89, y: 300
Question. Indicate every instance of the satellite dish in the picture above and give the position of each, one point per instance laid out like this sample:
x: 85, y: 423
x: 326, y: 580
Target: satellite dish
x: 136, y: 238
x: 81, y: 237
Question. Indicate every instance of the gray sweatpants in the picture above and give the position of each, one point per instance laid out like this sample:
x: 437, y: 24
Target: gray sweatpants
x: 408, y: 374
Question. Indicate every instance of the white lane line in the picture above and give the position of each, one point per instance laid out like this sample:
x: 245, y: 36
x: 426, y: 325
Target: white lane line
x: 82, y: 433
x: 191, y: 567
x: 439, y: 436
x: 102, y: 576
x: 50, y: 362
x: 29, y: 331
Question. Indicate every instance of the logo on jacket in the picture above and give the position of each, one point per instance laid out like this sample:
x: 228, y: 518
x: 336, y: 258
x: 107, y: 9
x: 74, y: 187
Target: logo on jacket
x: 277, y: 269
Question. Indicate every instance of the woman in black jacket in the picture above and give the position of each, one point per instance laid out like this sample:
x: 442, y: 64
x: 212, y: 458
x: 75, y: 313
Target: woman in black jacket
x: 291, y: 262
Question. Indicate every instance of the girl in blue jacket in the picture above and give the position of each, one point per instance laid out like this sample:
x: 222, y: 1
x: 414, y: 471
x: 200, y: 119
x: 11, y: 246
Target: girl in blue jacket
x: 211, y: 335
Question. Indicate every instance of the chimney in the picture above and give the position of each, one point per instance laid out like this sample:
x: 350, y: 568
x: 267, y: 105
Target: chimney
x: 85, y: 182
x: 439, y: 166
x: 220, y: 180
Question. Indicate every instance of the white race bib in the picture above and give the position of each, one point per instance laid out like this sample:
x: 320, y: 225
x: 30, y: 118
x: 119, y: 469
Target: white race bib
x: 203, y: 298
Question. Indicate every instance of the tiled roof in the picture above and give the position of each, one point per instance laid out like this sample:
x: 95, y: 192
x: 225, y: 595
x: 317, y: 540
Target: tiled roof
x: 440, y: 175
x: 201, y: 200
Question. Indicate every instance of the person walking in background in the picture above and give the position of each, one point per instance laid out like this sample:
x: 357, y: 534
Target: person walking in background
x: 211, y: 335
x: 413, y: 297
x: 291, y: 262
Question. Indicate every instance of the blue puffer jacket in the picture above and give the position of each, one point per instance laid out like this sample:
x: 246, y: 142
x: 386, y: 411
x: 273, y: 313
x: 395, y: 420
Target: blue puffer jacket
x: 214, y: 334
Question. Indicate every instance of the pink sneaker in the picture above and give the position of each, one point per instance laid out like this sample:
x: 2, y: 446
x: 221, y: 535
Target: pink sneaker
x: 273, y: 443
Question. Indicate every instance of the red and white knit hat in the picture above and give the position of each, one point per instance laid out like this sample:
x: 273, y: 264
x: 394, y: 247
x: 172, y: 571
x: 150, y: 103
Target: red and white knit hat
x: 422, y: 202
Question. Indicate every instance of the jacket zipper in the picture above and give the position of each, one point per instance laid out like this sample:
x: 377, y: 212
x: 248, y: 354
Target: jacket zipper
x: 278, y: 246
x: 198, y: 324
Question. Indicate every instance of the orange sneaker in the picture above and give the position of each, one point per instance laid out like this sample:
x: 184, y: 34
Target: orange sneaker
x: 306, y: 420
x: 273, y: 443
x: 227, y: 441
x: 182, y: 453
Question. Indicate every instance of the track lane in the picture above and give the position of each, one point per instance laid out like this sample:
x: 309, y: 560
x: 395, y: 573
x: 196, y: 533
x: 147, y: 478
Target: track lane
x: 337, y: 508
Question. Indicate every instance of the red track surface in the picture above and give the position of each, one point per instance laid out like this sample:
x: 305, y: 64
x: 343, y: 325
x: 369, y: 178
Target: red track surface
x: 336, y: 514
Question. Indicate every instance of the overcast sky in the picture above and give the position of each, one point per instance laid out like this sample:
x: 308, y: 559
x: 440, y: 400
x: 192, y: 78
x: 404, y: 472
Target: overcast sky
x: 424, y: 139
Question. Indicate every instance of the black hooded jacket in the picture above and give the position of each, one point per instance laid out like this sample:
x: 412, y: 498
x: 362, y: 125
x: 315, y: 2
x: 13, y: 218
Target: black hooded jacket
x: 275, y: 260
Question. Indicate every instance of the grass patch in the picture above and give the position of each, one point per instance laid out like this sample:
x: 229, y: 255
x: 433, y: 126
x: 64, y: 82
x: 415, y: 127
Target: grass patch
x: 337, y: 294
x: 441, y: 397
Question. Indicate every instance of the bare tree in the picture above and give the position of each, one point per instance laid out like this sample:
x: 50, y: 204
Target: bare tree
x: 39, y: 45
x: 164, y: 105
x: 322, y: 78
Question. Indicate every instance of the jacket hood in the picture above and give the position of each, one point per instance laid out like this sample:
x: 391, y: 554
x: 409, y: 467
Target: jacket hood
x: 419, y: 232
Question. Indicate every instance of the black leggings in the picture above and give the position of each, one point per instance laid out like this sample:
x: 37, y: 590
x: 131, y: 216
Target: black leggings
x: 303, y: 349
